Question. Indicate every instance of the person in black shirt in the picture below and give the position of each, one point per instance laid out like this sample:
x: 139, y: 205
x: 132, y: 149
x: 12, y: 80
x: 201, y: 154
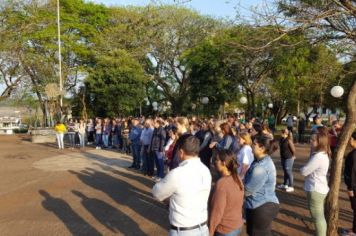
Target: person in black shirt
x: 350, y: 179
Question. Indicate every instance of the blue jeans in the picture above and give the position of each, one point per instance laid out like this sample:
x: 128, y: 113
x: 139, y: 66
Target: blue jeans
x: 71, y: 137
x: 287, y: 165
x: 201, y: 231
x: 232, y: 233
x: 98, y: 140
x: 136, y: 149
x: 144, y: 157
x: 159, y: 164
x: 106, y: 140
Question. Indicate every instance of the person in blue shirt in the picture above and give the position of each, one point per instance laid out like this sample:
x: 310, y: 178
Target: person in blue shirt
x: 134, y: 138
x: 261, y: 202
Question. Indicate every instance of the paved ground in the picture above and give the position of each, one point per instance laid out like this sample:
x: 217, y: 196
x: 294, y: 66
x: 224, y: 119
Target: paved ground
x: 44, y: 191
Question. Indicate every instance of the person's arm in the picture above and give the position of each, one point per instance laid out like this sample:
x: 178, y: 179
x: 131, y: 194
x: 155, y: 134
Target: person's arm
x: 207, y: 138
x: 255, y: 180
x: 163, y: 140
x: 166, y: 187
x: 291, y: 146
x: 218, y: 205
x: 310, y: 167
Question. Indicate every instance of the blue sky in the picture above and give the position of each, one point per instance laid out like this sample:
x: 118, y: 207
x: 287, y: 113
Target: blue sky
x: 217, y: 8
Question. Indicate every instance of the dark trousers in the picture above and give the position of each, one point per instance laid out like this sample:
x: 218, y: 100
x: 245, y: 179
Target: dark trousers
x: 136, y: 149
x: 91, y: 136
x: 159, y: 164
x: 206, y: 159
x: 287, y: 165
x: 145, y: 155
x: 259, y: 220
x: 300, y: 136
x: 98, y: 141
x: 150, y: 162
x: 353, y: 206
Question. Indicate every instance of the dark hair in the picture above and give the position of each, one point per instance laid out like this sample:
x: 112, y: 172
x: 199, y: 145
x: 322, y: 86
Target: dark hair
x: 353, y: 135
x: 226, y: 128
x: 191, y: 146
x: 264, y: 142
x: 228, y: 157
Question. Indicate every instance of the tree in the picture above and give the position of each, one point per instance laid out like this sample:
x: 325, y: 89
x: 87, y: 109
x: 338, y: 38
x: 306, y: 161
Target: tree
x: 333, y: 22
x: 116, y: 84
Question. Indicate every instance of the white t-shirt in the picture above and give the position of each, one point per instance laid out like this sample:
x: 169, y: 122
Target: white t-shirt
x: 244, y: 157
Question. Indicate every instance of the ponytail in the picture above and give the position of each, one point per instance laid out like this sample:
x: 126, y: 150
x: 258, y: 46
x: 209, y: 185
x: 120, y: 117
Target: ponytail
x: 228, y: 157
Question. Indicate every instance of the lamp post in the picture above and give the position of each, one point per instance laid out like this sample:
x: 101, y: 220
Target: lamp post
x: 59, y: 57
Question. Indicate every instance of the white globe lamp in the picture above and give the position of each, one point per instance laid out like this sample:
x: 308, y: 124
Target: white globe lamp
x: 205, y: 100
x: 337, y: 91
x: 270, y: 105
x: 243, y: 100
x: 154, y: 104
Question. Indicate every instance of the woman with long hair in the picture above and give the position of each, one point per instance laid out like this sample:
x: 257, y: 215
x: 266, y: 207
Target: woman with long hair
x: 287, y: 153
x: 244, y: 156
x: 227, y: 199
x: 261, y: 202
x: 316, y: 184
x: 228, y: 139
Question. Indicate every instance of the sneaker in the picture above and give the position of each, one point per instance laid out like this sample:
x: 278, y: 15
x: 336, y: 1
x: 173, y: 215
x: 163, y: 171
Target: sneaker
x: 282, y: 186
x: 290, y: 189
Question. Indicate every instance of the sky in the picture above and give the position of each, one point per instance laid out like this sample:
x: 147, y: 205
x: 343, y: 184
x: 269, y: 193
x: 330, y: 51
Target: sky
x: 216, y: 8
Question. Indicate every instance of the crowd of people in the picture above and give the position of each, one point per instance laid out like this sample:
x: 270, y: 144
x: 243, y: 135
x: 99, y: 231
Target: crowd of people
x: 183, y: 154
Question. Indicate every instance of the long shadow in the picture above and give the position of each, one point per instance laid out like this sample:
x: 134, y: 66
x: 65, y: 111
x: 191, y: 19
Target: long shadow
x: 74, y: 223
x: 294, y: 226
x: 113, y: 219
x: 108, y: 161
x: 147, y: 182
x: 125, y: 194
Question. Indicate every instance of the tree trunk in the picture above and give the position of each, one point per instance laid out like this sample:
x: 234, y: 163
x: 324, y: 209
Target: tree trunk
x: 332, y: 201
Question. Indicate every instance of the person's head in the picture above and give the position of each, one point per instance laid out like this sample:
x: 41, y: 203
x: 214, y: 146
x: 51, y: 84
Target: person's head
x: 135, y: 122
x: 285, y: 133
x: 182, y: 125
x: 317, y: 120
x: 242, y: 127
x: 320, y: 141
x: 172, y: 133
x: 190, y: 148
x: 148, y: 123
x: 245, y: 139
x: 226, y: 165
x: 58, y: 123
x: 81, y: 121
x: 353, y: 140
x: 158, y: 122
x: 226, y: 129
x: 261, y: 146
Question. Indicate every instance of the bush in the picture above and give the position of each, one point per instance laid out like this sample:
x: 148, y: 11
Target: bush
x: 20, y: 131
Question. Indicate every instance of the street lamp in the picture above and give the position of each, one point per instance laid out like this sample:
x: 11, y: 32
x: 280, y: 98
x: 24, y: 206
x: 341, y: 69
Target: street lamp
x: 243, y: 100
x: 59, y: 57
x: 205, y: 100
x: 270, y: 105
x: 337, y: 91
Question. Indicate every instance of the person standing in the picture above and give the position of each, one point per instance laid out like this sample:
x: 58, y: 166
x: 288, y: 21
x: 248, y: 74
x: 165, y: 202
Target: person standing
x: 261, y: 202
x: 134, y: 139
x: 106, y: 132
x: 182, y: 125
x: 350, y: 181
x: 287, y: 153
x: 188, y: 188
x: 60, y: 129
x: 301, y: 129
x: 98, y: 133
x: 146, y: 137
x: 157, y: 148
x: 81, y: 133
x: 316, y: 184
x: 71, y: 133
x: 206, y: 152
x: 227, y: 199
x: 290, y: 123
x: 244, y: 156
x: 91, y: 131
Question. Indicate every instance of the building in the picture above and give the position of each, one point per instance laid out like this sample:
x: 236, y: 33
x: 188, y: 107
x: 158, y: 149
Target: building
x: 10, y: 119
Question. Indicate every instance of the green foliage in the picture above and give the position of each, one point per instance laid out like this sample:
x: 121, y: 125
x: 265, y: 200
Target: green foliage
x: 116, y: 85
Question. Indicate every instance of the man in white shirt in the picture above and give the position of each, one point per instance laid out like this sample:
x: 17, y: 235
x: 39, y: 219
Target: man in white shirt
x: 188, y: 187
